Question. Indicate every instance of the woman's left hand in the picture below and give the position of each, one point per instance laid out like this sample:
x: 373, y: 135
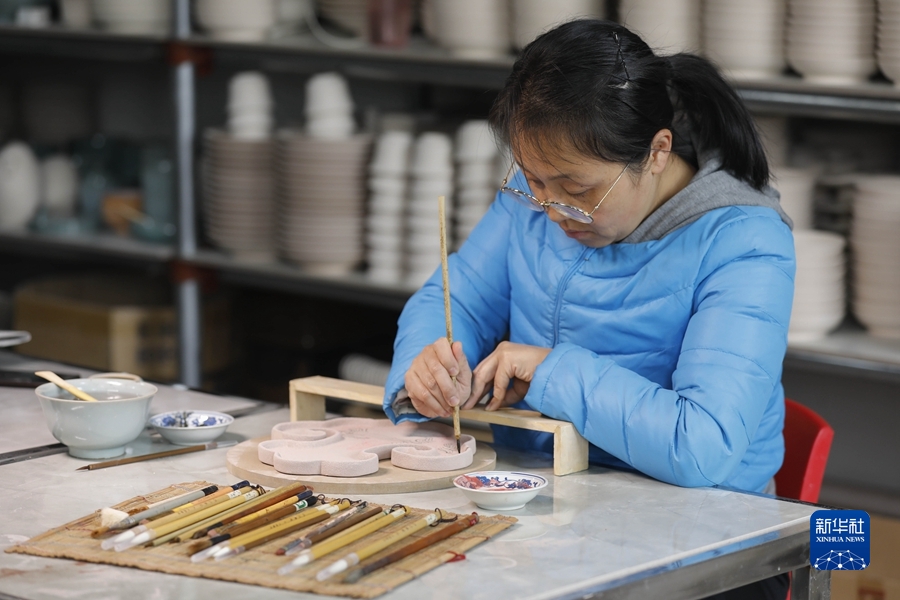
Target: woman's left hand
x: 510, y: 362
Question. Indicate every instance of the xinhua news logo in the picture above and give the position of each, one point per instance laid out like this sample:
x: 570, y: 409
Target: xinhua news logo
x: 839, y: 540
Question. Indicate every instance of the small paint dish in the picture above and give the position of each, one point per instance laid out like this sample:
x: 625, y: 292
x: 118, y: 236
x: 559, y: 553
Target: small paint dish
x: 189, y: 427
x: 500, y: 490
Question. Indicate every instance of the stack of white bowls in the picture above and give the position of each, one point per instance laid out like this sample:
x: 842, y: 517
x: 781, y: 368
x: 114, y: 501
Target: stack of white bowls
x: 476, y: 29
x: 76, y: 13
x: 239, y: 195
x: 668, y: 26
x: 876, y: 254
x: 385, y: 226
x: 151, y: 17
x: 291, y: 16
x: 746, y: 39
x: 819, y: 290
x: 236, y: 20
x: 476, y: 183
x: 832, y: 42
x: 250, y: 106
x: 530, y: 18
x: 797, y: 188
x: 19, y: 185
x: 432, y: 176
x: 352, y: 15
x: 329, y: 107
x: 321, y: 201
x: 889, y: 39
x: 59, y: 185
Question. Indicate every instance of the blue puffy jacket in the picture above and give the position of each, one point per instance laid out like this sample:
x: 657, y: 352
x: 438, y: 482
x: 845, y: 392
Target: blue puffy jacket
x: 666, y: 354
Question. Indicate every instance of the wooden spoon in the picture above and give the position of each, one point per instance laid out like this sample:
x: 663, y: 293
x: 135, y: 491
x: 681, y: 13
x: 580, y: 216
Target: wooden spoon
x: 54, y: 378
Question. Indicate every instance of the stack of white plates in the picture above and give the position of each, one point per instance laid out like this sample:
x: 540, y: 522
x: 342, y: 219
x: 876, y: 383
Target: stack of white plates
x: 889, y: 39
x: 236, y: 20
x: 668, y: 26
x: 321, y: 201
x: 876, y: 254
x: 476, y: 182
x: 385, y: 227
x: 471, y: 28
x: 797, y: 194
x: 746, y: 39
x: 238, y: 199
x: 432, y: 176
x: 352, y: 15
x: 832, y: 41
x: 531, y: 18
x: 152, y: 17
x: 819, y: 290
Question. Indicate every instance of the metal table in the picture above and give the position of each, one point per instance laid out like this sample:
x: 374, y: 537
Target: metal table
x: 599, y: 533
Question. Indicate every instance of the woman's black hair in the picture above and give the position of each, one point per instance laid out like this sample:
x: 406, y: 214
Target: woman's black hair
x: 597, y: 87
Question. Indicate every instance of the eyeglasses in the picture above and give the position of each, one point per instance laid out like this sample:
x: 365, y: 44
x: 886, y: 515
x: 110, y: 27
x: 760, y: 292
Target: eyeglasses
x: 569, y: 212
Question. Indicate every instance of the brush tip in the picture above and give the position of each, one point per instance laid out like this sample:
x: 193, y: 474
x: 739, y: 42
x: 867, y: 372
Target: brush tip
x: 458, y: 446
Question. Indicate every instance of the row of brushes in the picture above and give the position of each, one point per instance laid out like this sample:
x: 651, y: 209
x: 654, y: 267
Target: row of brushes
x: 221, y: 522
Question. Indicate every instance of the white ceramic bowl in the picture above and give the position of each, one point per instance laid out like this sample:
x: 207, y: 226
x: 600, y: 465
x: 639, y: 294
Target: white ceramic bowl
x: 189, y: 427
x: 97, y: 429
x: 500, y: 490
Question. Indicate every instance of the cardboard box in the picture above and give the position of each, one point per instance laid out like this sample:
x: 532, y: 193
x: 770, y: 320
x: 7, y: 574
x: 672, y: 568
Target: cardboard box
x: 881, y: 580
x: 114, y: 324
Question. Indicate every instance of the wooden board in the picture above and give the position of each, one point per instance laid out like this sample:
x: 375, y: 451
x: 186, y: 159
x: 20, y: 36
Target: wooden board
x: 243, y: 461
x: 570, y: 449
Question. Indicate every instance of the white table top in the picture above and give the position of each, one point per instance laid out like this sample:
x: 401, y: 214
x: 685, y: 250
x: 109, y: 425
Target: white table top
x: 583, y: 529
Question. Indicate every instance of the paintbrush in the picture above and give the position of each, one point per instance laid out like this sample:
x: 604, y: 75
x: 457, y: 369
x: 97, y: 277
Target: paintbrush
x: 195, y: 547
x: 355, y: 533
x: 412, y: 547
x: 445, y: 275
x: 143, y: 457
x: 354, y: 558
x: 273, y: 531
x: 357, y: 514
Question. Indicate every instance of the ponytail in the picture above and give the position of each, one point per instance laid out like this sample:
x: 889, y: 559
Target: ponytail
x: 596, y: 87
x: 718, y: 117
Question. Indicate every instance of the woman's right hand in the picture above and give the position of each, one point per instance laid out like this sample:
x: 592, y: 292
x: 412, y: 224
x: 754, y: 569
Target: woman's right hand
x: 429, y: 380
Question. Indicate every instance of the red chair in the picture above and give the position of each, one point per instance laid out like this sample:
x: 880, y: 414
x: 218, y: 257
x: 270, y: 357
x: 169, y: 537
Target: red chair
x: 807, y: 442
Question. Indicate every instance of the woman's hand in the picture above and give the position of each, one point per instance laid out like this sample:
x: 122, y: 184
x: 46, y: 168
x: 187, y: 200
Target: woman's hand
x: 429, y: 380
x: 510, y: 362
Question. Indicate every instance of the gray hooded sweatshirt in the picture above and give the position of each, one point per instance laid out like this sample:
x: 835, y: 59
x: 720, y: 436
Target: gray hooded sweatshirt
x: 709, y: 189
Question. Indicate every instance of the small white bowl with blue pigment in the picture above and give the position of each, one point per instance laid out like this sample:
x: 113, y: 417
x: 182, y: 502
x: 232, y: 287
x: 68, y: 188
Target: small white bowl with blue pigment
x: 190, y: 427
x: 500, y: 490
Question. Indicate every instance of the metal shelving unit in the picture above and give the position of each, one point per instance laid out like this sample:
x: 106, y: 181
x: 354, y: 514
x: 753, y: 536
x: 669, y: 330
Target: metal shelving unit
x: 849, y: 349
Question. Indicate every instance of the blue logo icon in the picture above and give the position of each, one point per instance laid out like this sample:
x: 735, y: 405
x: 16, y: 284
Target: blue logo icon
x: 839, y: 540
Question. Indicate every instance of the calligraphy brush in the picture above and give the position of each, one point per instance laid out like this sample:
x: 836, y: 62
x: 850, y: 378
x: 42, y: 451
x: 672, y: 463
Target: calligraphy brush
x: 354, y: 558
x: 445, y: 275
x: 411, y: 548
x: 143, y: 457
x: 358, y: 514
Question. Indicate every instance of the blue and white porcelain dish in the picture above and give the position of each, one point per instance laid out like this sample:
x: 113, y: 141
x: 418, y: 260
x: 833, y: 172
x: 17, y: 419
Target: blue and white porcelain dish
x: 500, y: 490
x: 189, y: 427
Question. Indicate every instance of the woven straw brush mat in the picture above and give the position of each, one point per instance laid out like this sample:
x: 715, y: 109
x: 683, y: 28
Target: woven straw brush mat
x: 258, y: 566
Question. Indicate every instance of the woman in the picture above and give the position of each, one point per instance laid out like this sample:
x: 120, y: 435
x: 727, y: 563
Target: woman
x: 649, y: 304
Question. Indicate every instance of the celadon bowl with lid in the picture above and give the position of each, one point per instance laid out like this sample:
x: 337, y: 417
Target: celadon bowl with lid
x: 99, y: 429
